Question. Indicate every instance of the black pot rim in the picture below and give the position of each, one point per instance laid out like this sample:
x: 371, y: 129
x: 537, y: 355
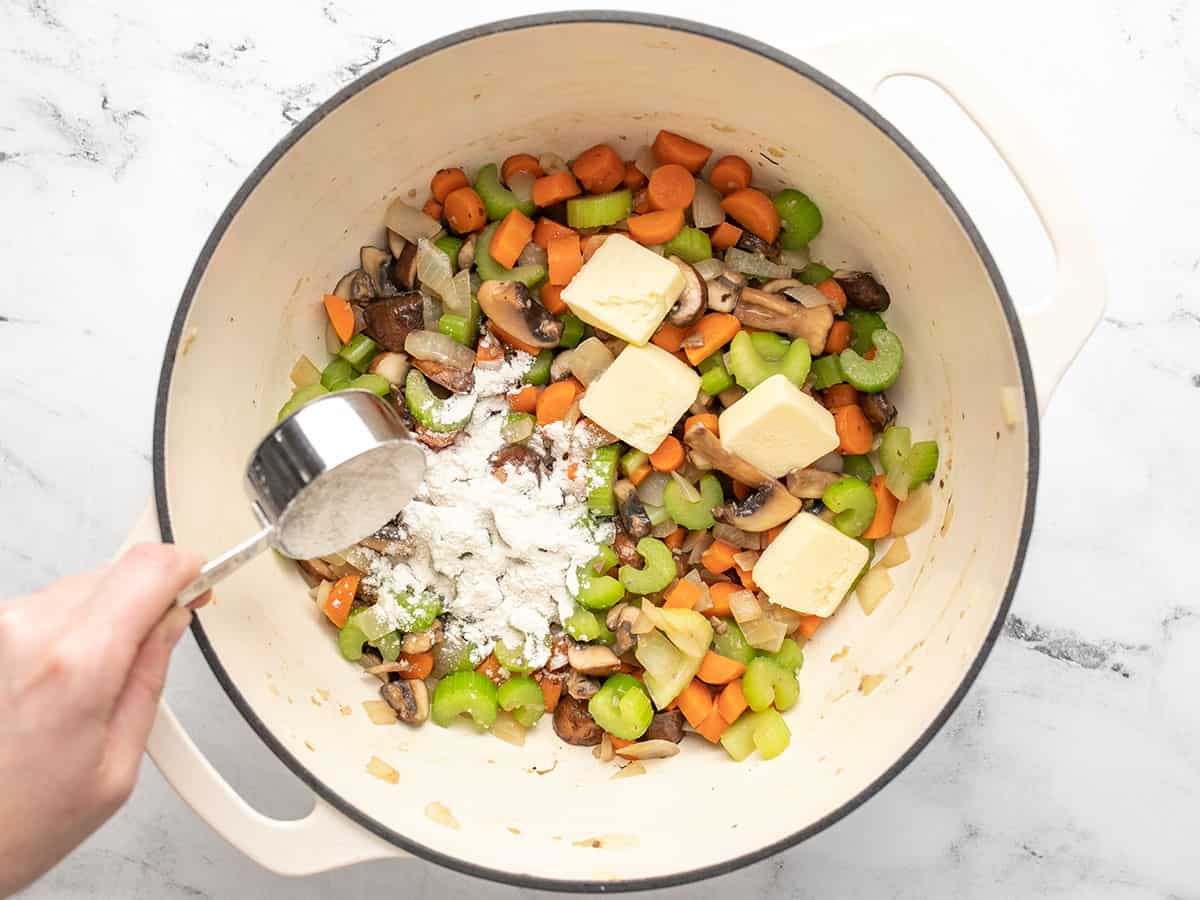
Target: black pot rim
x: 672, y: 24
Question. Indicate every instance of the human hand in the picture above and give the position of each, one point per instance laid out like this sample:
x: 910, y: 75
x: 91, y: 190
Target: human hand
x: 82, y: 664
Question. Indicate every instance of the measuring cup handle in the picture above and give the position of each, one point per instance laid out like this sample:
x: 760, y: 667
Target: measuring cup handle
x: 225, y: 565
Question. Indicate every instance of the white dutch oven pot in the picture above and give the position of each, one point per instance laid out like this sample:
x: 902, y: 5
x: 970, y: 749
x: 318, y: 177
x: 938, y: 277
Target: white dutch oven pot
x: 296, y: 225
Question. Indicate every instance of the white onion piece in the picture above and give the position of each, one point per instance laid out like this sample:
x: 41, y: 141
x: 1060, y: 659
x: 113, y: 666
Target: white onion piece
x: 304, y: 373
x: 692, y: 539
x: 409, y: 222
x: 755, y: 264
x: 458, y: 301
x: 765, y: 634
x: 698, y: 550
x: 644, y: 160
x: 735, y: 536
x: 322, y: 593
x: 433, y: 269
x: 392, y: 366
x: 438, y: 348
x: 794, y: 259
x: 708, y: 269
x: 551, y: 163
x: 431, y: 312
x: 745, y: 607
x: 789, y: 618
x: 872, y: 588
x: 913, y: 511
x: 589, y: 360
x: 521, y: 184
x: 663, y: 528
x: 745, y: 560
x: 897, y: 554
x: 706, y: 207
x: 690, y: 494
x: 509, y: 730
x: 573, y: 414
x: 333, y: 343
x: 532, y: 255
x: 807, y: 296
x: 650, y: 491
x: 830, y: 462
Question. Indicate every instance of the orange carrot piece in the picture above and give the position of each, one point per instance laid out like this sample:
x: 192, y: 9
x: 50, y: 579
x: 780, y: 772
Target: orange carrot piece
x: 839, y: 395
x: 853, y: 429
x: 617, y: 742
x: 885, y: 509
x: 695, y: 702
x: 446, y: 180
x: 556, y: 399
x: 708, y: 420
x: 669, y: 455
x: 599, y: 169
x: 669, y: 337
x: 565, y: 259
x: 675, y: 539
x: 834, y: 292
x: 772, y: 533
x: 634, y: 178
x: 741, y: 491
x: 754, y: 211
x: 670, y: 147
x: 718, y: 669
x: 719, y: 594
x: 717, y: 329
x: 465, y: 211
x: 655, y: 227
x: 729, y: 174
x: 554, y: 188
x: 521, y: 162
x: 725, y: 236
x: 712, y: 727
x: 547, y: 229
x: 338, y: 601
x: 809, y: 625
x: 732, y: 702
x: 671, y: 187
x: 433, y: 209
x: 524, y: 400
x: 488, y: 349
x: 683, y: 595
x: 572, y: 471
x: 419, y: 665
x: 839, y: 334
x: 341, y: 316
x: 718, y: 557
x: 641, y: 473
x: 491, y: 668
x: 746, y: 576
x: 551, y: 297
x: 514, y: 342
x: 510, y: 238
x: 551, y: 693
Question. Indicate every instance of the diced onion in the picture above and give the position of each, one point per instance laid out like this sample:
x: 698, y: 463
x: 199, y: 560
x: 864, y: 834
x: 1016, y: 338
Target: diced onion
x: 322, y: 593
x: 409, y: 222
x: 663, y: 528
x: 551, y: 163
x: 333, y: 343
x: 509, y: 730
x: 589, y: 360
x: 706, y: 207
x: 730, y: 535
x: 830, y: 462
x: 458, y: 301
x: 433, y: 269
x: 436, y: 347
x: 392, y: 366
x: 650, y: 491
x: 872, y: 588
x: 913, y: 511
x: 642, y: 624
x: 379, y: 712
x: 708, y: 269
x: 788, y: 617
x: 1010, y: 405
x: 431, y: 312
x: 690, y: 494
x: 698, y: 551
x: 521, y: 184
x: 304, y: 373
x: 765, y: 634
x: 573, y: 414
x: 656, y: 514
x: 745, y: 560
x: 755, y: 264
x: 897, y: 554
x: 692, y: 539
x: 807, y: 296
x: 794, y: 259
x: 532, y: 255
x: 745, y: 607
x: 644, y: 160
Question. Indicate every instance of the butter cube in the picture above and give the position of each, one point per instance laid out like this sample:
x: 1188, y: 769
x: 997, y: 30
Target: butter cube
x: 810, y: 566
x: 624, y: 289
x: 641, y: 396
x: 777, y: 427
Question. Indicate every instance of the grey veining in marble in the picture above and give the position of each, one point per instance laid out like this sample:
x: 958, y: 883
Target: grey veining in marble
x: 1073, y: 767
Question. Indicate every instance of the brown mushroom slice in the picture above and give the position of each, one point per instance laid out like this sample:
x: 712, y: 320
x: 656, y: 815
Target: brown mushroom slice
x: 458, y: 380
x: 355, y: 286
x: 514, y: 456
x: 767, y: 507
x: 510, y: 305
x: 863, y: 291
x: 389, y: 321
x: 396, y: 243
x: 779, y: 285
x: 622, y: 626
x: 631, y: 509
x: 377, y: 263
x: 692, y: 300
x: 701, y: 439
x: 435, y: 440
x: 810, y: 483
x: 665, y: 726
x: 623, y: 545
x: 725, y: 290
x: 581, y: 687
x: 593, y: 659
x: 317, y: 568
x: 574, y: 724
x: 772, y: 312
x: 409, y: 698
x: 878, y: 409
x: 371, y: 660
x: 404, y: 267
x: 752, y: 243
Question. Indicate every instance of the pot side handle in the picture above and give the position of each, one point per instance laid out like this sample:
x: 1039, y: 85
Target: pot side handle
x: 324, y: 839
x: 1056, y: 331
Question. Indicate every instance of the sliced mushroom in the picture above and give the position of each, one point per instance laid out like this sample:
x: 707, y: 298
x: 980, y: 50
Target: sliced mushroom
x: 772, y: 312
x: 396, y: 242
x: 466, y: 253
x: 752, y: 243
x: 355, y: 286
x: 665, y: 726
x: 626, y: 640
x: 879, y: 409
x: 863, y: 290
x: 631, y: 510
x: 318, y: 569
x: 436, y: 440
x: 581, y: 687
x: 532, y: 255
x: 560, y: 369
x: 810, y: 483
x: 644, y: 749
x: 625, y: 549
x: 461, y: 381
x: 404, y: 267
x: 409, y: 698
x: 731, y: 395
x: 767, y: 507
x: 699, y: 438
x: 692, y: 300
x: 392, y: 366
x: 369, y: 660
x: 511, y: 306
x: 389, y: 321
x: 724, y: 291
x: 377, y: 263
x: 573, y: 723
x: 593, y: 659
x: 779, y: 285
x: 514, y: 456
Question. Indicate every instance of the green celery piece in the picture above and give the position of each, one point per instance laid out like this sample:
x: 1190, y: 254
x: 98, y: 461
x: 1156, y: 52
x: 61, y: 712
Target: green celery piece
x: 431, y: 411
x: 659, y: 570
x: 350, y: 641
x: 598, y: 592
x: 814, y: 273
x: 827, y: 372
x: 539, y: 372
x: 765, y: 731
x: 601, y: 476
x: 573, y: 329
x: 490, y: 270
x: 497, y: 199
x: 732, y: 643
x: 691, y: 245
x: 789, y: 655
x: 695, y: 515
x: 863, y: 324
x: 376, y: 384
x: 894, y: 447
x: 450, y: 245
x: 337, y: 371
x: 600, y: 209
x: 880, y: 373
x: 765, y: 682
x: 854, y: 503
x: 799, y: 219
x: 585, y: 625
x: 632, y: 461
x: 299, y: 398
x: 859, y: 467
x: 522, y: 696
x: 513, y: 660
x: 389, y: 646
x: 622, y: 707
x: 467, y: 693
x: 359, y: 351
x: 755, y: 358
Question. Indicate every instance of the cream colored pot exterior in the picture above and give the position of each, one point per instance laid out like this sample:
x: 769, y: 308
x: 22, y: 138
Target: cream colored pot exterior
x: 533, y: 813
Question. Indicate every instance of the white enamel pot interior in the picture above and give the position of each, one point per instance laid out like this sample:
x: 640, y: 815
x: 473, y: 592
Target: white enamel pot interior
x: 530, y: 815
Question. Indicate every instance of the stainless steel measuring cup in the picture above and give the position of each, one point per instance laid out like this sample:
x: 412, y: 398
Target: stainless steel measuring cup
x: 324, y: 478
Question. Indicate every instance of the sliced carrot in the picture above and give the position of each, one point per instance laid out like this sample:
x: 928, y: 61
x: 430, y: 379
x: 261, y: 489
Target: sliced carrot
x: 683, y: 595
x: 675, y: 539
x: 551, y: 693
x: 419, y: 665
x: 718, y: 669
x: 446, y: 180
x: 565, y: 259
x: 671, y: 187
x: 669, y: 456
x: 716, y: 329
x: 655, y: 227
x: 746, y: 576
x: 885, y: 509
x: 617, y: 742
x: 839, y: 395
x: 695, y: 702
x: 670, y: 147
x: 554, y: 188
x: 521, y: 162
x: 834, y: 292
x: 712, y: 727
x: 809, y: 625
x: 641, y: 473
x: 740, y: 490
x: 718, y: 557
x: 551, y: 297
x: 524, y: 400
x: 754, y: 211
x: 340, y: 599
x: 732, y: 702
x: 839, y: 334
x: 510, y: 238
x: 491, y: 668
x: 465, y: 211
x: 669, y: 337
x: 556, y: 399
x: 725, y: 236
x: 488, y: 349
x: 729, y: 174
x: 547, y: 229
x: 634, y: 178
x: 772, y: 533
x: 599, y: 169
x: 341, y: 316
x: 708, y: 420
x: 719, y: 594
x: 433, y: 209
x: 514, y: 342
x: 853, y: 429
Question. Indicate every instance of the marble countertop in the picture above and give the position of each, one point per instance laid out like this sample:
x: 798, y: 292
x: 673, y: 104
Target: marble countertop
x: 1073, y: 767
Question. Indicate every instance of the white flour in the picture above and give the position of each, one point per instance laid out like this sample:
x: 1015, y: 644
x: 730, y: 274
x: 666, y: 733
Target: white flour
x: 503, y: 555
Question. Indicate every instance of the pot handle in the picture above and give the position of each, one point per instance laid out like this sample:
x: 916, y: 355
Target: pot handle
x: 1056, y: 331
x: 324, y: 839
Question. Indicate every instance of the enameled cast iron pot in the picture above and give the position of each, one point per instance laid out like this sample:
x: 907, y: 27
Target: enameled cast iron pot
x: 296, y: 225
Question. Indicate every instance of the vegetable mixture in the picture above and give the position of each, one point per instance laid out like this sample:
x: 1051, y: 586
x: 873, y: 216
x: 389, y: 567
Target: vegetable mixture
x: 744, y: 458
